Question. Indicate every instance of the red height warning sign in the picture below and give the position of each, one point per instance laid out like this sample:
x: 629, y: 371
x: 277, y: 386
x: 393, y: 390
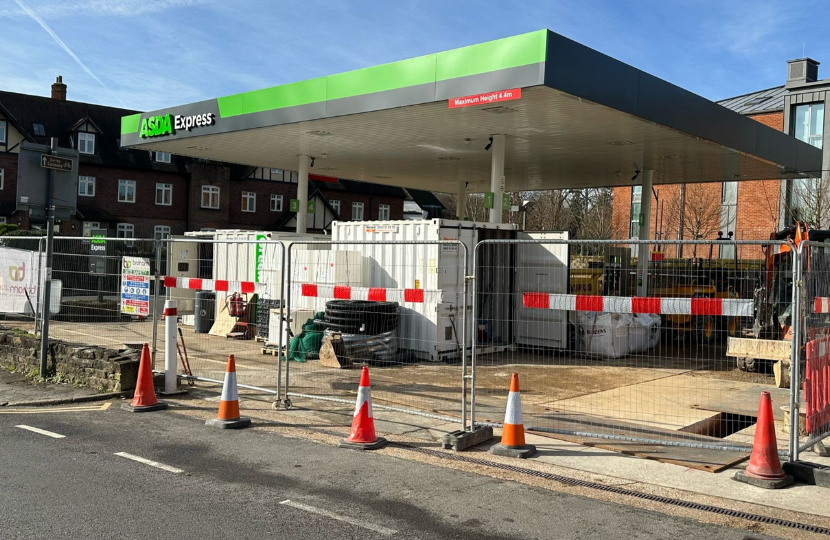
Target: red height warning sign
x: 483, y: 99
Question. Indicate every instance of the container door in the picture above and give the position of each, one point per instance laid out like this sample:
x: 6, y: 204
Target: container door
x: 541, y: 268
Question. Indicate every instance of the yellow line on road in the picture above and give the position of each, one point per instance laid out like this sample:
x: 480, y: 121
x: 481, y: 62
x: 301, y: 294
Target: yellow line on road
x: 43, y: 410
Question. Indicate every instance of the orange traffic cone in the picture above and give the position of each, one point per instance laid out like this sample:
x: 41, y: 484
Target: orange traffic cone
x: 228, y: 417
x: 363, y: 435
x: 764, y: 469
x: 513, y: 433
x: 144, y: 399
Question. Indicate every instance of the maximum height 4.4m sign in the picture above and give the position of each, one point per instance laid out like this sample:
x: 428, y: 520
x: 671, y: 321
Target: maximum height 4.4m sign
x: 135, y: 286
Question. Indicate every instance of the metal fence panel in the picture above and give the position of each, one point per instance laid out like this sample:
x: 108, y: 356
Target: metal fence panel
x: 397, y: 306
x: 598, y: 362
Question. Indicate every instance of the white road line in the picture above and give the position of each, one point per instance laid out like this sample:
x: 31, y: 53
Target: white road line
x: 150, y: 462
x: 41, y: 431
x: 364, y: 524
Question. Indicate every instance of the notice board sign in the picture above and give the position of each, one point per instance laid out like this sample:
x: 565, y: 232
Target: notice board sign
x: 135, y: 286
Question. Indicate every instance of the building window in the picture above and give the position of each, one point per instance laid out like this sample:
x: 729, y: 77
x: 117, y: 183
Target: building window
x: 126, y: 191
x: 2, y: 178
x: 38, y: 130
x: 728, y: 216
x: 210, y: 197
x: 277, y: 174
x: 808, y: 123
x: 162, y: 157
x: 88, y: 226
x: 86, y: 186
x: 276, y: 203
x: 2, y: 131
x: 383, y: 212
x: 164, y: 194
x: 248, y: 201
x: 3, y: 220
x: 86, y: 143
x: 160, y: 232
x: 125, y: 230
x: 357, y: 211
x: 636, y: 197
x: 335, y: 205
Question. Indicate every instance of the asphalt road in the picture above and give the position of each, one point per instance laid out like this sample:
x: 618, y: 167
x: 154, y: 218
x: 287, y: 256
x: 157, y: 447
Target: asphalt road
x: 235, y: 484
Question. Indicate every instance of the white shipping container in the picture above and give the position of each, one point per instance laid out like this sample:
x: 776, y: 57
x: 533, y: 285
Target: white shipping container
x: 432, y: 330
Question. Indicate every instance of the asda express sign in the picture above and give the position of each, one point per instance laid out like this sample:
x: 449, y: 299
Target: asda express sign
x: 169, y: 124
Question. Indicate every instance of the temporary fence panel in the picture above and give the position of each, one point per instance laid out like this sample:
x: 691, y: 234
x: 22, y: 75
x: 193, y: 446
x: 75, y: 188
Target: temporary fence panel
x: 811, y: 375
x: 228, y: 276
x: 365, y: 303
x: 541, y: 268
x: 429, y: 328
x: 655, y: 369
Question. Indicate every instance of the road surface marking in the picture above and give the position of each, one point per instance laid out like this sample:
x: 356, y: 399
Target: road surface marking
x: 150, y: 462
x: 44, y: 410
x: 332, y: 515
x: 41, y: 431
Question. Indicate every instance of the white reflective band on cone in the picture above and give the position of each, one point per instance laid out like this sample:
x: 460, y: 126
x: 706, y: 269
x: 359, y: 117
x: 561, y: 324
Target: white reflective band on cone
x: 229, y: 391
x: 363, y: 396
x: 513, y: 414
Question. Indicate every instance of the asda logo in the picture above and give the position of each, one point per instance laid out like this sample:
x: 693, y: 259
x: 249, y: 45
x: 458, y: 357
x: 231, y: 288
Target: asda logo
x: 156, y: 126
x: 168, y: 124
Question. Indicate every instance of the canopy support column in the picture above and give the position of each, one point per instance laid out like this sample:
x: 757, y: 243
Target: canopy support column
x: 497, y: 177
x: 461, y: 205
x: 302, y: 194
x: 644, y: 253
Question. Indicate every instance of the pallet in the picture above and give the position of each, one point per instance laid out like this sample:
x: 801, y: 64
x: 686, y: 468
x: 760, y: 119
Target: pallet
x: 273, y: 351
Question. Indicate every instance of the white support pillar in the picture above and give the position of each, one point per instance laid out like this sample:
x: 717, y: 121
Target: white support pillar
x: 497, y: 177
x: 171, y: 343
x: 644, y: 254
x: 461, y: 206
x: 302, y: 194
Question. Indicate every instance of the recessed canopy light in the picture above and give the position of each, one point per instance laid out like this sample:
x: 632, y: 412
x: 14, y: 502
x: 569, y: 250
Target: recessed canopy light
x: 319, y: 133
x: 669, y: 156
x: 198, y: 148
x: 621, y: 143
x: 449, y: 158
x: 326, y: 168
x: 383, y: 177
x: 498, y: 109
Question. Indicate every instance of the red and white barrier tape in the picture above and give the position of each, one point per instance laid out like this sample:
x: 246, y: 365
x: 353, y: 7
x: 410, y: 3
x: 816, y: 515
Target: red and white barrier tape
x: 817, y: 385
x: 822, y: 305
x: 729, y: 307
x: 217, y: 285
x: 372, y: 294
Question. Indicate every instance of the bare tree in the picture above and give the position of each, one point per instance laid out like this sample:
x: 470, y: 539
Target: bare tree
x: 695, y: 212
x: 810, y: 201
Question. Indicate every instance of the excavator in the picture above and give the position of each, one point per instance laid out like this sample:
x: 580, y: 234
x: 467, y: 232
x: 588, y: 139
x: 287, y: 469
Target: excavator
x: 771, y: 339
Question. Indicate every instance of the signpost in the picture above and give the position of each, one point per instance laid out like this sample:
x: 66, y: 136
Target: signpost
x: 47, y: 186
x: 135, y: 286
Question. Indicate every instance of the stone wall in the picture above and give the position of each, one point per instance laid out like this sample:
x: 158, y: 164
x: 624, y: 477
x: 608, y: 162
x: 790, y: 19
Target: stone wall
x: 107, y: 370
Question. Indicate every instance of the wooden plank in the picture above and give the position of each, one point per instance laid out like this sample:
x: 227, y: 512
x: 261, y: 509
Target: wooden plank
x: 764, y: 349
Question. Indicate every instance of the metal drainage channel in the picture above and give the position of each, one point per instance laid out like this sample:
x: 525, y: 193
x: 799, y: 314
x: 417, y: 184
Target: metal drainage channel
x: 619, y: 491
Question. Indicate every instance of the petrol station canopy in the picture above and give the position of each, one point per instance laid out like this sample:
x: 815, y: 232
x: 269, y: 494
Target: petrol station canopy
x: 572, y: 118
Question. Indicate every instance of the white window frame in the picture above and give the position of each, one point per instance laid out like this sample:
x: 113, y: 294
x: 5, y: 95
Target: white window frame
x: 127, y: 184
x: 160, y: 232
x: 125, y: 230
x: 3, y: 131
x: 4, y: 220
x: 249, y: 201
x: 86, y: 143
x: 164, y: 188
x: 162, y: 157
x: 335, y: 204
x: 87, y: 226
x: 635, y: 210
x: 276, y: 202
x: 2, y: 178
x: 384, y: 209
x: 86, y: 181
x: 357, y: 206
x: 212, y: 193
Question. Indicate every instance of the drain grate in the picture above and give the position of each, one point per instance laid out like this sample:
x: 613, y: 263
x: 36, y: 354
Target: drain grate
x: 620, y: 491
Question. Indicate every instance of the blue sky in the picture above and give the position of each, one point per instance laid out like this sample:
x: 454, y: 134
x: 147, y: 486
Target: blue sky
x: 148, y: 54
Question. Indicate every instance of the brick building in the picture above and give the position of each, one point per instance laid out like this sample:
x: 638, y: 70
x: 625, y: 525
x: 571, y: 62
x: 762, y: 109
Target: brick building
x: 745, y: 209
x: 136, y: 193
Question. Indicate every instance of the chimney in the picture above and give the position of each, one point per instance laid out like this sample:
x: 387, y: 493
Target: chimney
x: 801, y: 71
x: 59, y: 89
